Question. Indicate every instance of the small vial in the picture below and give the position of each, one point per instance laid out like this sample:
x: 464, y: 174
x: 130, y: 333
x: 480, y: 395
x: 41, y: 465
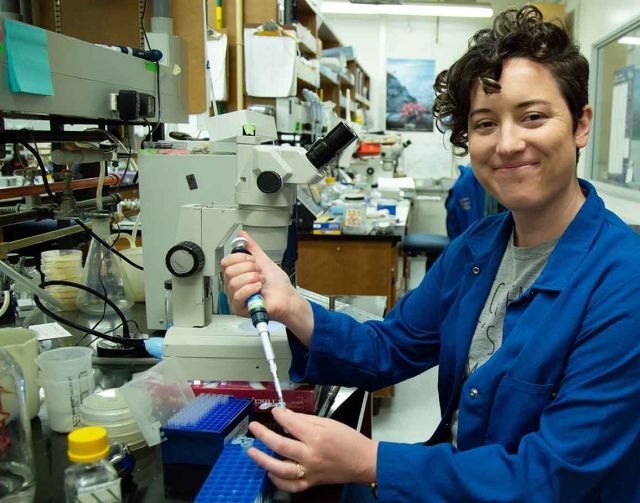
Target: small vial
x: 91, y: 478
x: 168, y: 303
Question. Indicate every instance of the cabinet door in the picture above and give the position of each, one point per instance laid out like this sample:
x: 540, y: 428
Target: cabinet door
x: 336, y: 267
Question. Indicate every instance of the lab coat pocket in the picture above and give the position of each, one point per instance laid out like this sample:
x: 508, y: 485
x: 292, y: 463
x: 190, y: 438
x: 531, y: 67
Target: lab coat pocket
x: 516, y: 410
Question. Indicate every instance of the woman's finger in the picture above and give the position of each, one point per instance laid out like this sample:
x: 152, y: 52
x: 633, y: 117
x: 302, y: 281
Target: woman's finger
x: 286, y: 447
x: 235, y: 258
x: 298, y: 425
x: 290, y: 486
x: 284, y: 469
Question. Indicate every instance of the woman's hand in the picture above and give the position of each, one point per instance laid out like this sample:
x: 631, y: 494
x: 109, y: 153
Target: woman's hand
x: 323, y: 451
x: 245, y: 275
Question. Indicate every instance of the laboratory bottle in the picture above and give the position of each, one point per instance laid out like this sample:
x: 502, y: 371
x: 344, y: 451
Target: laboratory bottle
x: 355, y: 214
x: 17, y: 469
x: 102, y: 272
x: 329, y: 192
x: 91, y: 477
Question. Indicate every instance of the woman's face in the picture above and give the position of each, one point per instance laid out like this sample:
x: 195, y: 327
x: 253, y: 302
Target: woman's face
x: 521, y: 139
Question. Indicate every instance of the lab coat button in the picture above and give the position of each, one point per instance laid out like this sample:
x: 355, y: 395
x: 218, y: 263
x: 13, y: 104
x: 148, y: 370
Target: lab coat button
x: 475, y: 270
x: 473, y: 392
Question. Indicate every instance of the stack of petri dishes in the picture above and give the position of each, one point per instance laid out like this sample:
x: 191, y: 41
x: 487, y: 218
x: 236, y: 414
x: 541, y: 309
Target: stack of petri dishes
x: 110, y: 410
x: 63, y: 265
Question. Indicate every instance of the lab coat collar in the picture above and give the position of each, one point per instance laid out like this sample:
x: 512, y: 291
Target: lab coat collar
x: 568, y: 253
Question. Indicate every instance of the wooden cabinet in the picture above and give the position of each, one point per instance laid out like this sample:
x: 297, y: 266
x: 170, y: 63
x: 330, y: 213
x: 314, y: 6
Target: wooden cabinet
x: 340, y: 266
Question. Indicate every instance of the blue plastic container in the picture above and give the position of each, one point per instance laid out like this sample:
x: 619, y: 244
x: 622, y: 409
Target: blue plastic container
x: 236, y: 478
x: 200, y: 442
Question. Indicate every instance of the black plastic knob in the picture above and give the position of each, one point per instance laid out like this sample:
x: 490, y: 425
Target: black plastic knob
x: 269, y: 182
x: 185, y: 259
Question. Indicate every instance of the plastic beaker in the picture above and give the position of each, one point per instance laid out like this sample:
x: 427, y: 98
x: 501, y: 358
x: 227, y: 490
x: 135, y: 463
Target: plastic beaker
x: 67, y: 379
x: 22, y: 345
x: 17, y: 471
x: 63, y: 400
x: 103, y: 274
x: 61, y: 363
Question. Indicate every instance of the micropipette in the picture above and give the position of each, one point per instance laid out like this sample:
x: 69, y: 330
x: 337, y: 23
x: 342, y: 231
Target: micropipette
x: 260, y: 320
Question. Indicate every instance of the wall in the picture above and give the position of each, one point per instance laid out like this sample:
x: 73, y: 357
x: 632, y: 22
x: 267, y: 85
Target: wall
x: 375, y: 40
x: 594, y: 20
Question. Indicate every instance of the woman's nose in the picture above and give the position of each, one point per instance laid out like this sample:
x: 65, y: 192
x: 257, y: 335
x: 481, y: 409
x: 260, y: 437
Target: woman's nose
x: 510, y: 140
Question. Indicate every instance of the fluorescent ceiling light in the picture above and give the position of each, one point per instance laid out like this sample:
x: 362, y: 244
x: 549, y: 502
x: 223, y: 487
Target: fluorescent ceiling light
x: 630, y: 40
x: 436, y: 10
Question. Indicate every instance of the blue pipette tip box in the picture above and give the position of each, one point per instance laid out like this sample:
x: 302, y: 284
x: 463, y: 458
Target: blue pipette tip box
x: 198, y: 433
x: 236, y: 478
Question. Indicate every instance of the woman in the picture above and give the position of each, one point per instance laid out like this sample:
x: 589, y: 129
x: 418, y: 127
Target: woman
x: 533, y: 315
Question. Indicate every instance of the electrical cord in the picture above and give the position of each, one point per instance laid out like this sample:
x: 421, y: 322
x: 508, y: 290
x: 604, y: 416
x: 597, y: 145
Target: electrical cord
x: 125, y: 340
x: 107, y: 245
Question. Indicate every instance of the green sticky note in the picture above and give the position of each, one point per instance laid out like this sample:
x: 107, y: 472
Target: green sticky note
x: 151, y: 67
x: 27, y: 58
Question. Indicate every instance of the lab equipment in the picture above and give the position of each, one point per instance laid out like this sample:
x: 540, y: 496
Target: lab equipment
x: 109, y: 409
x: 156, y: 395
x: 92, y: 477
x: 22, y: 345
x: 260, y: 320
x: 17, y: 470
x: 235, y: 476
x: 197, y: 433
x: 265, y: 184
x: 65, y: 265
x: 168, y: 303
x: 102, y: 272
x: 355, y: 214
x: 67, y: 379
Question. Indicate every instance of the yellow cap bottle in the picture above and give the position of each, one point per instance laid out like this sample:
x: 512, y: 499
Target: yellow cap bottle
x: 91, y: 477
x: 88, y: 444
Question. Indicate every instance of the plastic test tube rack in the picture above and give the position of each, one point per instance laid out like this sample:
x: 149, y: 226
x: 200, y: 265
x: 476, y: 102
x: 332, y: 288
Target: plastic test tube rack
x: 196, y: 434
x: 236, y: 478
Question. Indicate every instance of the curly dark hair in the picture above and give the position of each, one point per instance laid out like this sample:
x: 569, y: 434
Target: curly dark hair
x: 515, y: 33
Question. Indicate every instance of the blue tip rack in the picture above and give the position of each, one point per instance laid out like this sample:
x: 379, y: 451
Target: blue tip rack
x: 235, y: 477
x: 196, y: 435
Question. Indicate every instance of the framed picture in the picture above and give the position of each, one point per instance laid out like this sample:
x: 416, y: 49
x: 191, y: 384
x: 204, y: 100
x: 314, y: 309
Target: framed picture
x: 410, y: 94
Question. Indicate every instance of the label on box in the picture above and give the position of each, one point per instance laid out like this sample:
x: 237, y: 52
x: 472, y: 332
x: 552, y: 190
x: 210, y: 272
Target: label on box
x: 298, y: 397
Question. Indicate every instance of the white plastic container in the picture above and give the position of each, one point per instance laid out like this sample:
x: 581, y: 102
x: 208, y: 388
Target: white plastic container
x: 67, y: 379
x: 62, y: 363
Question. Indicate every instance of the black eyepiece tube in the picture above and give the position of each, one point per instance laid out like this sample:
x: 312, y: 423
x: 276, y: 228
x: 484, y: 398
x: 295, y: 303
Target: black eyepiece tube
x: 324, y: 150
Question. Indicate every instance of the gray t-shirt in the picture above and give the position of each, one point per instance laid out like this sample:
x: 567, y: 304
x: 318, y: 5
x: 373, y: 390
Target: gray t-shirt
x: 519, y: 268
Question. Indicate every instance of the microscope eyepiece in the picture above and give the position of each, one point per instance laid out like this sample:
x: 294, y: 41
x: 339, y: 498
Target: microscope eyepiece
x: 324, y: 150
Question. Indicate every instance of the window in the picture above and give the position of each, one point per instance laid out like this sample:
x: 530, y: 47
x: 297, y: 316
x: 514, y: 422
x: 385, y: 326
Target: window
x: 615, y: 157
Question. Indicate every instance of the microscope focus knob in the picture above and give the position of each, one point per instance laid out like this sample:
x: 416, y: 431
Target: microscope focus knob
x: 269, y: 182
x: 370, y: 171
x: 184, y: 259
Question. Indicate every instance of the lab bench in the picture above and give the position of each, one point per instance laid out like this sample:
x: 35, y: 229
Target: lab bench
x: 351, y: 406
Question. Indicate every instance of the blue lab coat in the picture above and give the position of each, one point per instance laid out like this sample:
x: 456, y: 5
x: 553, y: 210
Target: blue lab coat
x: 465, y: 202
x: 554, y: 415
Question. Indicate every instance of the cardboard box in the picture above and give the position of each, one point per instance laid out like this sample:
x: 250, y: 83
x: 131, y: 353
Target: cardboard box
x: 298, y: 397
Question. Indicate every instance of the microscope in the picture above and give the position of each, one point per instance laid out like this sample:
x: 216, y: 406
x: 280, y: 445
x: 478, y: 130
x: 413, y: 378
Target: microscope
x: 210, y: 345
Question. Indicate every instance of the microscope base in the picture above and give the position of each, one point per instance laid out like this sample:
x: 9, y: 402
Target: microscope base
x: 228, y: 349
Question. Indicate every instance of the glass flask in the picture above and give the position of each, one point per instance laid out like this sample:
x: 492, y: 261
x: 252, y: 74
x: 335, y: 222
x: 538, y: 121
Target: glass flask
x: 17, y: 472
x: 103, y: 273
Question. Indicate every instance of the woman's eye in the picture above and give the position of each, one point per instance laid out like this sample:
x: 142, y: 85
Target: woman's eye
x: 534, y: 116
x: 483, y: 125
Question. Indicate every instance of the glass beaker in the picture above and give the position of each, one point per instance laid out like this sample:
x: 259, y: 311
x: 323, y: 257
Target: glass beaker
x: 17, y: 473
x: 102, y: 273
